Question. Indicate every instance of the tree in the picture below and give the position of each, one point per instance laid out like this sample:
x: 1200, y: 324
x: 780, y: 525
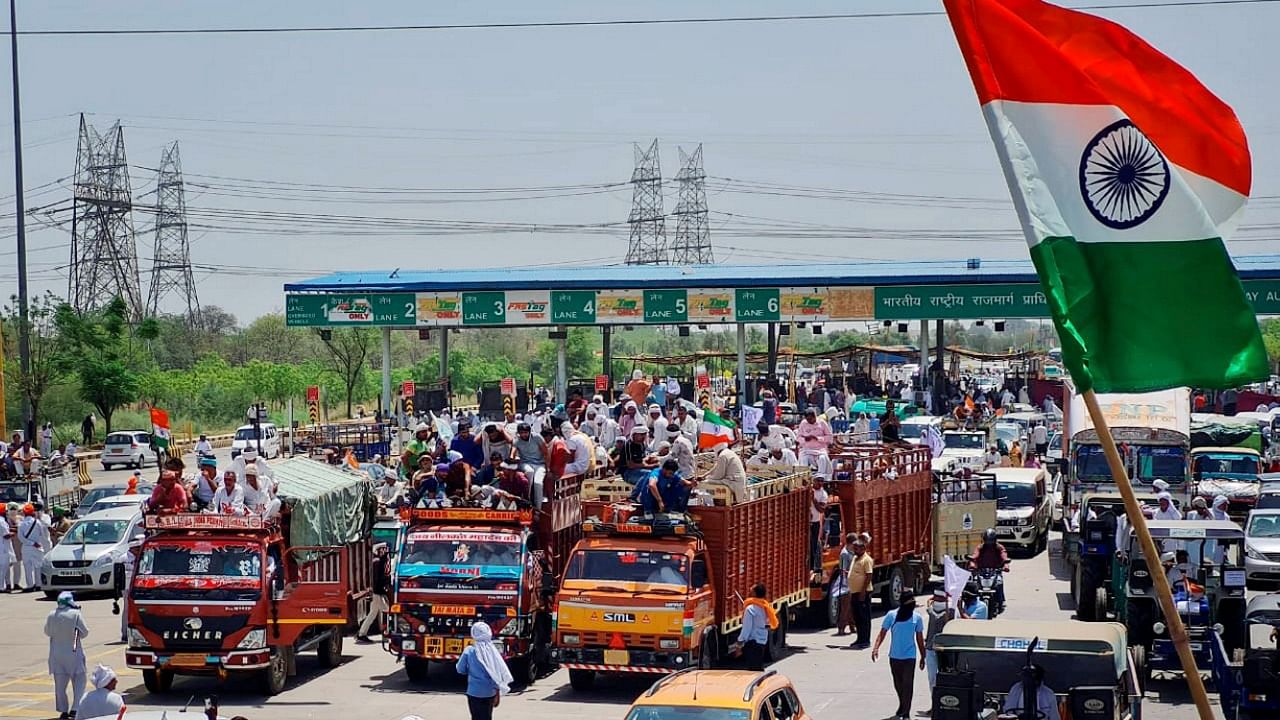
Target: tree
x: 348, y: 351
x: 48, y: 357
x: 106, y: 352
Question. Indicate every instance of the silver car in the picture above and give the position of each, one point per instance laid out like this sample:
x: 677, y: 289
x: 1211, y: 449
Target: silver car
x: 1262, y: 548
x: 86, y: 556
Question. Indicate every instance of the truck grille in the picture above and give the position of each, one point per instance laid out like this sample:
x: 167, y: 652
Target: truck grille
x: 599, y: 639
x: 182, y: 633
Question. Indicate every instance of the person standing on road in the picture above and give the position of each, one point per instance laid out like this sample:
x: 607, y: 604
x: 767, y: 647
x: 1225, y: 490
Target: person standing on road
x: 66, y: 631
x: 906, y: 649
x: 860, y: 577
x: 817, y: 512
x: 1040, y: 438
x: 33, y: 533
x: 938, y: 614
x: 840, y: 587
x: 86, y: 430
x: 102, y: 700
x: 758, y: 618
x: 381, y: 572
x: 487, y: 674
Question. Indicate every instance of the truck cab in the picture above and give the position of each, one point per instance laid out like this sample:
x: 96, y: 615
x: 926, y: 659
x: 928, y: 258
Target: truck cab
x: 1230, y: 471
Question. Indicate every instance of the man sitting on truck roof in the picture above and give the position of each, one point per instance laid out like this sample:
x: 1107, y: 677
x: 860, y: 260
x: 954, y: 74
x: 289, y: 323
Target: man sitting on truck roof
x: 229, y: 500
x: 258, y: 499
x: 665, y: 491
x: 729, y: 472
x: 169, y: 496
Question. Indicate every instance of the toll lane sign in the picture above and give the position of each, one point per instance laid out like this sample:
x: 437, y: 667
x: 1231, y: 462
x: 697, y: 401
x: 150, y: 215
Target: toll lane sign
x: 666, y: 306
x: 573, y: 307
x: 381, y: 309
x: 756, y: 305
x: 484, y: 308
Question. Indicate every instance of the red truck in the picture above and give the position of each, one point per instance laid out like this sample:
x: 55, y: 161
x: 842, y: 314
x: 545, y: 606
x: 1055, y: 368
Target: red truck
x: 886, y: 491
x: 455, y: 566
x: 216, y: 594
x: 658, y: 597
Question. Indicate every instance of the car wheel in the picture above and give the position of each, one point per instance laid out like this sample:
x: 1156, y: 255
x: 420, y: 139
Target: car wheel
x: 106, y: 466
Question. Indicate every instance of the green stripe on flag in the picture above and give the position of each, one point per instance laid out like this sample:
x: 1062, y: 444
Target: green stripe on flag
x: 1134, y: 317
x: 714, y: 419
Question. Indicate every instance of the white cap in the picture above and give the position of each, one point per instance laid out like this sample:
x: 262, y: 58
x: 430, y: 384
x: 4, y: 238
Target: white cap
x: 639, y: 430
x: 250, y: 454
x: 1165, y: 496
x: 1220, y: 501
x: 1168, y: 557
x: 102, y: 676
x: 1159, y: 485
x: 420, y: 427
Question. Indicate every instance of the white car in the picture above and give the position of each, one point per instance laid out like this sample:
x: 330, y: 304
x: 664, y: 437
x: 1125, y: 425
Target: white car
x: 117, y: 501
x: 85, y: 558
x: 1262, y: 548
x: 126, y: 447
x: 968, y: 448
x: 246, y: 437
x: 912, y: 429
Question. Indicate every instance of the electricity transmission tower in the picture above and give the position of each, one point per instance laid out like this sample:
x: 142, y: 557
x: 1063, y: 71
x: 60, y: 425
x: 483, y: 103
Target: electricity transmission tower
x: 171, y: 268
x: 648, y: 242
x: 104, y: 257
x: 692, y: 245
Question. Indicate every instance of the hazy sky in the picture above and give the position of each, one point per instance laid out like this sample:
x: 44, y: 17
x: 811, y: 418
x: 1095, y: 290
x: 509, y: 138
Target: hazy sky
x: 880, y: 109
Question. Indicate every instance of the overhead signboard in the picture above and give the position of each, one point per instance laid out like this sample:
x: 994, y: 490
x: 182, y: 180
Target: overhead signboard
x: 697, y: 305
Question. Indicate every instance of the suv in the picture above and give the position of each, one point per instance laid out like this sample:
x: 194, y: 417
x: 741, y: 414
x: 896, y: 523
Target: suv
x: 726, y: 693
x: 126, y: 447
x: 246, y: 438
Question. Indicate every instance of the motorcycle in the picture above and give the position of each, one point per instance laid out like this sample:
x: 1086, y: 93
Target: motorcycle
x: 990, y: 586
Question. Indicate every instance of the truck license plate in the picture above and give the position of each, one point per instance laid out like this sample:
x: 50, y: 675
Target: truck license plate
x: 187, y: 660
x: 617, y: 657
x: 464, y: 610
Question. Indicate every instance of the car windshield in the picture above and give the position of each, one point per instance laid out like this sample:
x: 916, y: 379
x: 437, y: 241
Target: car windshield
x: 1008, y: 433
x: 646, y: 566
x: 911, y: 430
x: 98, y: 493
x: 202, y: 559
x: 965, y: 441
x: 687, y: 712
x: 1166, y: 463
x: 96, y: 532
x: 1091, y: 463
x: 1055, y: 441
x: 15, y: 492
x: 1261, y: 526
x: 246, y: 433
x: 462, y: 548
x: 1228, y: 465
x: 119, y: 439
x: 1010, y: 495
x: 1270, y: 500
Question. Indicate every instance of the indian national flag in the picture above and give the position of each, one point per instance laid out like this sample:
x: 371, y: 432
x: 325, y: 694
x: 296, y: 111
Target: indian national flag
x: 160, y: 428
x: 1126, y: 174
x: 714, y: 430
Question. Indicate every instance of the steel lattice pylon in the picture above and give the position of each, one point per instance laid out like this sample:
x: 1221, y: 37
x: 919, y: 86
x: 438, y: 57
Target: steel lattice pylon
x: 692, y: 245
x: 648, y: 241
x: 104, y: 256
x: 171, y: 267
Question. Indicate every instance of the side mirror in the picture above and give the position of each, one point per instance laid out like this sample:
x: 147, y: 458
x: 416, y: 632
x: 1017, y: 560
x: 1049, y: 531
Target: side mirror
x: 139, y: 537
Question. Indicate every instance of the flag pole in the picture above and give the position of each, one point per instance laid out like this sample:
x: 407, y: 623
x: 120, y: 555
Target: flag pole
x: 1177, y: 631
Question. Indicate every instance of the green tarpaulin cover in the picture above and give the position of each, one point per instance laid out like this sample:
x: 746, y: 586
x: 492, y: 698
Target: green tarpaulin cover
x: 327, y: 505
x: 1214, y: 434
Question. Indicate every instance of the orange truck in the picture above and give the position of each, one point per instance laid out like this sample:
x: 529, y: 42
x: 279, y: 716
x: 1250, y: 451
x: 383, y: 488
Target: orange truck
x: 664, y: 595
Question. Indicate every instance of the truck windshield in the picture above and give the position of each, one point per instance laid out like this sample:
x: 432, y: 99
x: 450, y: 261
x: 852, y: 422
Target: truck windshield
x: 202, y: 559
x: 15, y: 492
x: 1091, y: 463
x: 687, y: 712
x: 1166, y: 463
x: 965, y: 441
x: 462, y: 548
x: 911, y: 430
x: 1227, y: 465
x: 636, y: 566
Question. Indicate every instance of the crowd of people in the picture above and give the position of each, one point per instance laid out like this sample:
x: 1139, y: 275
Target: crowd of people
x: 247, y: 487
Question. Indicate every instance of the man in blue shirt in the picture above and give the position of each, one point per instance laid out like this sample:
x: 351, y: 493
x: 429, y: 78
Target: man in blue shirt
x: 972, y: 607
x: 664, y: 491
x: 470, y: 446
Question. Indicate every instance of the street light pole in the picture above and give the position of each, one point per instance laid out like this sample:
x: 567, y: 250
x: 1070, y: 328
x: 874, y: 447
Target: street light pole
x: 24, y: 331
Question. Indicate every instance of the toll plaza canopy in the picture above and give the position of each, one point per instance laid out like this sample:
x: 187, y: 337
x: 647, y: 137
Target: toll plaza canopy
x: 700, y: 294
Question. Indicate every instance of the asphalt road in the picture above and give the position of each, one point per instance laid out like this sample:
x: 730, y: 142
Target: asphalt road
x: 834, y: 681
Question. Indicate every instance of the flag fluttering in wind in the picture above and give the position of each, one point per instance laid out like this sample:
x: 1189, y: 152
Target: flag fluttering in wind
x: 714, y: 430
x: 160, y: 428
x: 1127, y: 173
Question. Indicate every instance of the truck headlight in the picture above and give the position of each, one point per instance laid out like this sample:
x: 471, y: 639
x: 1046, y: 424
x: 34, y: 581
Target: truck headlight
x: 571, y: 639
x: 669, y: 644
x: 254, y: 640
x: 136, y: 639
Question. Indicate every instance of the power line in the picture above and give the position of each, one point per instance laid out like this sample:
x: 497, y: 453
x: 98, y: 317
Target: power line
x: 550, y: 24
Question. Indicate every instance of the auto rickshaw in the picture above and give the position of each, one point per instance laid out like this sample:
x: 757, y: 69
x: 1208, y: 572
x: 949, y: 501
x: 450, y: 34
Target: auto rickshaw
x: 1090, y: 550
x: 1211, y: 600
x: 1251, y: 686
x: 1087, y: 665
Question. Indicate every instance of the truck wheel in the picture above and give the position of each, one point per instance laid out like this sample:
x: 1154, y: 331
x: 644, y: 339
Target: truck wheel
x: 1140, y: 668
x: 276, y: 674
x: 1042, y: 542
x: 582, y: 680
x: 893, y: 590
x: 1075, y: 574
x: 778, y: 638
x: 709, y: 652
x: 330, y: 651
x: 1100, y: 604
x: 832, y: 608
x: 157, y: 682
x: 528, y: 669
x: 416, y: 669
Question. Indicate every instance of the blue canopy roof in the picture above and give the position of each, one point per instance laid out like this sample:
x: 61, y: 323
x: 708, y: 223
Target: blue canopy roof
x: 626, y: 277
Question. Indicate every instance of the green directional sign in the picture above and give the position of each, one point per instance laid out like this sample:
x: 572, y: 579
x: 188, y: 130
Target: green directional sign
x: 484, y: 308
x: 666, y: 306
x: 756, y: 305
x: 573, y: 307
x: 376, y: 309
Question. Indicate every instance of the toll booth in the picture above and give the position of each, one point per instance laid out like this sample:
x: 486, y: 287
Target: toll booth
x: 491, y: 399
x: 431, y: 396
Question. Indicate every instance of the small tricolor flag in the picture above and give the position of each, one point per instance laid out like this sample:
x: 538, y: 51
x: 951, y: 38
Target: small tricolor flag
x: 160, y: 428
x: 714, y: 430
x: 1126, y: 174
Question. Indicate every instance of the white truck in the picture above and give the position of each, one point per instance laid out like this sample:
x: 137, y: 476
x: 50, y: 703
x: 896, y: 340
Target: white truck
x: 1152, y: 430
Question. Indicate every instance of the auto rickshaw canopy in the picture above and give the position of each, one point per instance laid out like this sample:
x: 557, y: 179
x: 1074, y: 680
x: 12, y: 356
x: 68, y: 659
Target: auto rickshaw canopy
x: 1073, y: 653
